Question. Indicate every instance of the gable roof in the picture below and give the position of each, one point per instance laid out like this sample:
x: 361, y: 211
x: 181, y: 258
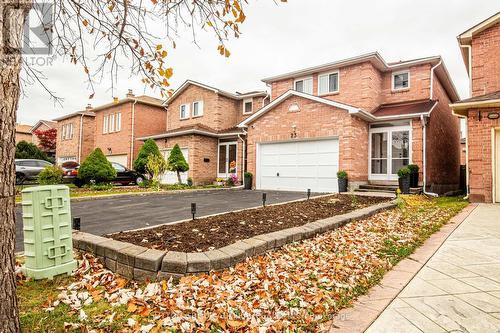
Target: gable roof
x: 401, y: 109
x: 376, y: 59
x: 237, y: 96
x: 48, y: 123
x: 465, y: 38
x: 483, y: 101
x: 74, y: 114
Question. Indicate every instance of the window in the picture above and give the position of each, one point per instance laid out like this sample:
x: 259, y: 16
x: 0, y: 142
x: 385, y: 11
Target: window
x: 328, y: 83
x: 111, y: 127
x: 304, y: 85
x: 197, y: 109
x: 67, y: 131
x: 112, y: 123
x: 247, y: 106
x: 118, y: 125
x: 400, y: 80
x: 184, y: 111
x: 105, y: 125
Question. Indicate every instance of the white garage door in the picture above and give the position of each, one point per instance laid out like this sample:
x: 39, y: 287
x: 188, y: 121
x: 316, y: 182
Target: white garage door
x: 298, y: 166
x: 171, y: 177
x: 120, y: 159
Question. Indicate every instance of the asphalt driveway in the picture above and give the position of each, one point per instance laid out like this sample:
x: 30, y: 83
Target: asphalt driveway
x: 108, y: 215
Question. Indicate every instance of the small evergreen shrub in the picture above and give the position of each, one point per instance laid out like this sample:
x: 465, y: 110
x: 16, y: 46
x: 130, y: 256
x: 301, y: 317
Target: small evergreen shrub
x: 26, y: 150
x: 413, y: 168
x: 155, y: 167
x: 403, y: 172
x: 190, y: 181
x: 341, y: 174
x: 148, y: 148
x: 96, y: 168
x: 248, y: 174
x: 176, y: 162
x: 51, y: 175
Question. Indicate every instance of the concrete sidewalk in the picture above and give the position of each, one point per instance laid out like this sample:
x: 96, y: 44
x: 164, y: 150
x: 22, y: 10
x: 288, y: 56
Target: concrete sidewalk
x: 458, y: 289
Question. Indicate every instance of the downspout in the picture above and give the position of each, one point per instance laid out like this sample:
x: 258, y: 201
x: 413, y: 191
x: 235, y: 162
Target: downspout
x: 243, y: 157
x: 467, y: 190
x: 132, y: 136
x: 424, y: 157
x: 80, y: 139
x: 432, y: 77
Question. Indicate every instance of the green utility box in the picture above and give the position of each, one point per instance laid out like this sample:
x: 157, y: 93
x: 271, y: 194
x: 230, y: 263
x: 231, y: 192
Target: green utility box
x: 48, y: 242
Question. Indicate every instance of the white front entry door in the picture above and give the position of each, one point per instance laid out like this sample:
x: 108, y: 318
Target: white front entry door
x: 170, y: 177
x: 298, y: 165
x: 228, y: 159
x: 390, y: 150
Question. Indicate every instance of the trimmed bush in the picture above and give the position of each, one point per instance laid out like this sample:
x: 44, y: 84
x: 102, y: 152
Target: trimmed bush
x: 248, y: 174
x: 341, y: 174
x: 51, y: 175
x: 26, y: 150
x: 156, y: 166
x: 148, y: 148
x: 96, y: 168
x: 413, y: 168
x: 403, y: 172
x: 190, y: 181
x: 176, y: 162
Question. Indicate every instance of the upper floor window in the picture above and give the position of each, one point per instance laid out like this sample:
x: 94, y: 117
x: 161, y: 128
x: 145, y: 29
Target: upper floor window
x: 401, y: 80
x: 112, y: 123
x: 197, y: 109
x: 328, y: 83
x: 304, y: 85
x: 184, y: 111
x: 67, y: 131
x: 247, y: 106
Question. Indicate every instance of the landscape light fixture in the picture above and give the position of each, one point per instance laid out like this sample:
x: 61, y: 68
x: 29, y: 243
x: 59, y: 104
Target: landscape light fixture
x: 308, y: 193
x: 193, y: 209
x: 76, y: 223
x: 264, y: 198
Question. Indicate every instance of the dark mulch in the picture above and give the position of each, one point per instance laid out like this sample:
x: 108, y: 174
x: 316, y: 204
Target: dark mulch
x: 218, y: 231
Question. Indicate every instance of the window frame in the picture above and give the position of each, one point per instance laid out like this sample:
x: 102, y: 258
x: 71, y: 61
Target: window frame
x: 393, y: 75
x: 105, y: 124
x: 111, y: 123
x: 245, y: 102
x: 304, y: 79
x: 327, y: 74
x: 118, y: 122
x: 200, y: 109
x: 187, y: 112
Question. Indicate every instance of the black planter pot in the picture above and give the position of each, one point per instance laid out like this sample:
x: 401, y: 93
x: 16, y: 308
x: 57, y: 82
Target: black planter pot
x: 248, y: 182
x: 404, y: 184
x: 342, y: 184
x: 414, y: 179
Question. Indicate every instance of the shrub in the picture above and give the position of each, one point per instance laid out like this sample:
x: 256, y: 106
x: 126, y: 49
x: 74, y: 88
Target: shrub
x: 190, y: 181
x: 51, y: 175
x: 403, y: 172
x: 232, y: 180
x: 248, y: 174
x: 155, y: 166
x: 148, y: 148
x: 176, y: 162
x: 97, y: 168
x: 341, y: 174
x: 413, y: 168
x: 99, y: 187
x: 26, y: 150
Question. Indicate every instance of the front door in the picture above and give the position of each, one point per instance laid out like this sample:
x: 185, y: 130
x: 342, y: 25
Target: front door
x: 390, y: 150
x: 227, y: 159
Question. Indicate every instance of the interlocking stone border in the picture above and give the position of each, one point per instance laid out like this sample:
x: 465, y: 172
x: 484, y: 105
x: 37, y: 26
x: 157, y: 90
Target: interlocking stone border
x: 140, y: 263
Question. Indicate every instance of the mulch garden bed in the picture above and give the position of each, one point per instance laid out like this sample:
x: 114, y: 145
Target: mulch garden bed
x: 218, y: 231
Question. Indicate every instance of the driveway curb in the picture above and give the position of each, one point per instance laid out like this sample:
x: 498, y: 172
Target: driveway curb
x: 367, y: 308
x: 141, y: 263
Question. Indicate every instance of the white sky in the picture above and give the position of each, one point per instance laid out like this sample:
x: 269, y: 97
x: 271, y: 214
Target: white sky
x: 285, y: 37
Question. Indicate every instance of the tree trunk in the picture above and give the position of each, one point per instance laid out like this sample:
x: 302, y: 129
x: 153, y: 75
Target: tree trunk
x: 179, y: 177
x: 12, y: 17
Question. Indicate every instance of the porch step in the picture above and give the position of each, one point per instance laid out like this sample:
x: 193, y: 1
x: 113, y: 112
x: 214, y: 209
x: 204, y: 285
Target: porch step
x: 372, y: 190
x: 385, y: 188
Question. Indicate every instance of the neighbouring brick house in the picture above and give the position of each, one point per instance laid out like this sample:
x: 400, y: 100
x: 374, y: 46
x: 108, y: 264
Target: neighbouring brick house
x: 75, y: 136
x: 113, y: 127
x: 202, y: 120
x: 23, y: 133
x: 480, y: 46
x: 362, y: 115
x: 120, y: 123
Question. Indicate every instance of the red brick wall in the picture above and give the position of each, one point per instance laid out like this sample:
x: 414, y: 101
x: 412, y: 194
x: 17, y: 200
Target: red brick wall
x: 486, y: 61
x: 480, y: 154
x: 70, y: 147
x: 314, y: 120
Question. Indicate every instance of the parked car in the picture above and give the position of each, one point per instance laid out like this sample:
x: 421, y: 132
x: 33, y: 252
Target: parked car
x: 70, y: 169
x: 126, y: 176
x: 27, y: 169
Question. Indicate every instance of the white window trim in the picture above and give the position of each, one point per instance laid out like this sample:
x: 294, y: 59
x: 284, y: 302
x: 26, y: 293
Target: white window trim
x: 187, y: 111
x: 200, y: 109
x: 303, y: 79
x: 397, y: 73
x: 105, y: 122
x: 249, y: 100
x: 111, y: 123
x: 118, y: 119
x: 71, y: 131
x: 328, y: 75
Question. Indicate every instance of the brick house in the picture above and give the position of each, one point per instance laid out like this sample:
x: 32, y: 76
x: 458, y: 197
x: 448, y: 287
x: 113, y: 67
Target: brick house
x: 480, y: 46
x: 202, y: 120
x: 362, y: 115
x: 119, y: 124
x: 75, y: 136
x: 42, y: 125
x: 23, y: 133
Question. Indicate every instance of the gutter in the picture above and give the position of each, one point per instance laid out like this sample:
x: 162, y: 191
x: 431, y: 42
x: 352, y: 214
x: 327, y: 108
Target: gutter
x: 243, y: 157
x: 191, y: 131
x: 424, y: 157
x: 132, y: 137
x: 467, y: 189
x: 432, y: 78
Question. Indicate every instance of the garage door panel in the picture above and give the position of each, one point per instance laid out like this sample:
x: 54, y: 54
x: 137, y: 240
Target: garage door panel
x: 170, y: 177
x: 120, y: 159
x: 301, y: 165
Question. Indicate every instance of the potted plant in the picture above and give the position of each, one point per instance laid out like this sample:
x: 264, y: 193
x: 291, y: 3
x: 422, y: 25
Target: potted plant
x: 220, y: 182
x: 342, y: 179
x: 248, y: 180
x: 404, y: 180
x: 413, y: 175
